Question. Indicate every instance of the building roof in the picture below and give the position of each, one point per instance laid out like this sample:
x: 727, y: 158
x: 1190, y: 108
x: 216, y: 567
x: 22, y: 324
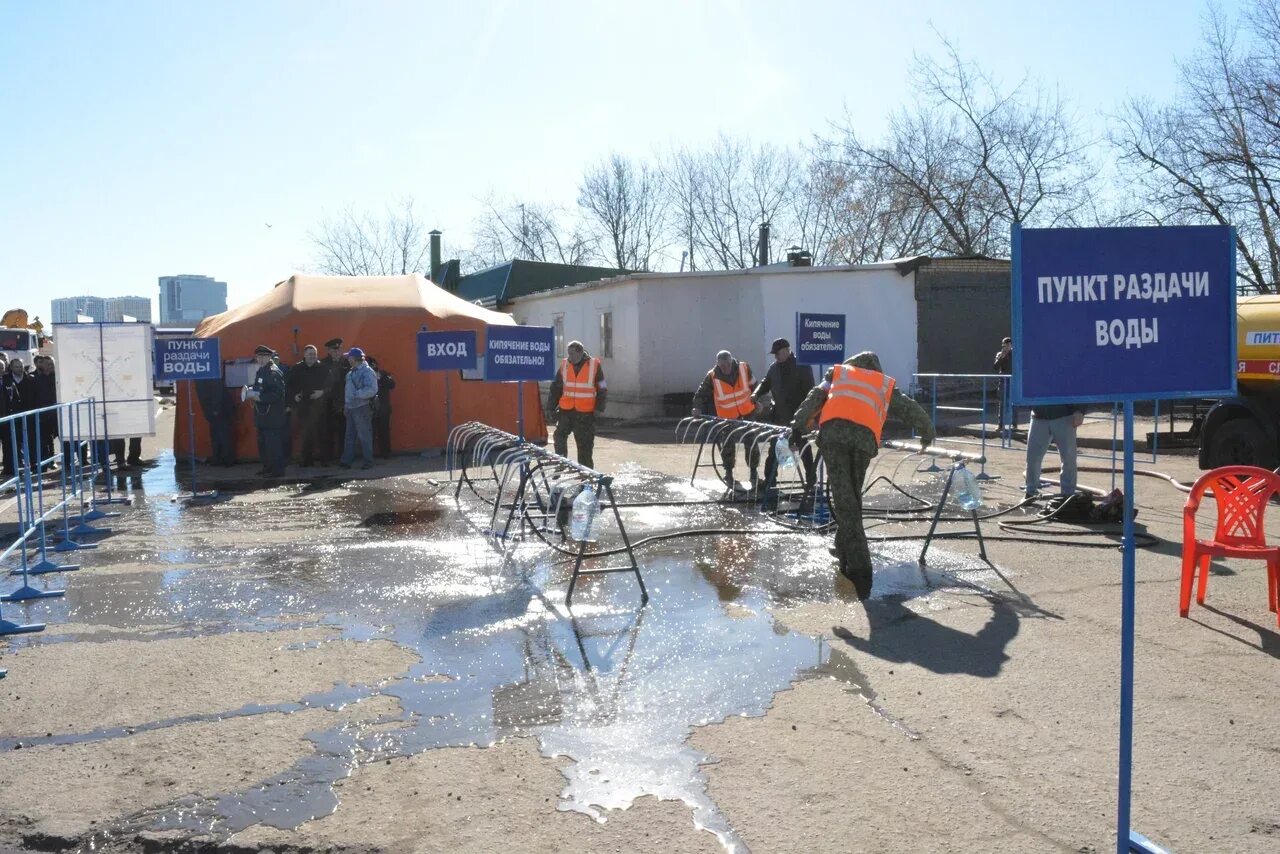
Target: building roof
x: 518, y: 278
x: 903, y: 266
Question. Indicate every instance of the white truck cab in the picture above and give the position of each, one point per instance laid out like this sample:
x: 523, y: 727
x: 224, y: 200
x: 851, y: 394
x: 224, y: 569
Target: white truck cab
x: 19, y: 344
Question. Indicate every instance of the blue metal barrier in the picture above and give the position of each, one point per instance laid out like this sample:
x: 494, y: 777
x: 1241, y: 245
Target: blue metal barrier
x: 34, y: 443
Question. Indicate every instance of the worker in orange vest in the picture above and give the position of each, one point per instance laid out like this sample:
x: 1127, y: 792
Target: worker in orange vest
x: 852, y: 404
x: 577, y: 394
x: 726, y: 389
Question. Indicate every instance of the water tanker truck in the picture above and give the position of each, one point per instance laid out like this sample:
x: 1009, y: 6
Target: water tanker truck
x: 1245, y: 429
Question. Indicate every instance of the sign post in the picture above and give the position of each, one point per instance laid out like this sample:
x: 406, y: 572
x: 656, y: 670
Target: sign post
x: 448, y: 352
x: 189, y: 359
x: 1123, y: 314
x: 820, y: 338
x: 520, y: 354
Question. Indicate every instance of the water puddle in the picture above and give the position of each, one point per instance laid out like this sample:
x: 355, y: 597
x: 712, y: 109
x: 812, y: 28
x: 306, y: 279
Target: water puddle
x: 614, y: 687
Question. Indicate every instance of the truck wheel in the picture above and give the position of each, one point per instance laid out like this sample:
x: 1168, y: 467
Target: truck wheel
x: 1241, y: 443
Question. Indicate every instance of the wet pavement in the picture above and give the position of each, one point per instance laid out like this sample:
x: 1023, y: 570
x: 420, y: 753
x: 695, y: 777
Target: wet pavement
x: 615, y: 687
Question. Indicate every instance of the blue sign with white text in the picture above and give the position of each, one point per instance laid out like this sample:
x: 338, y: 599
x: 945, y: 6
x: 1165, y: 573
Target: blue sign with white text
x: 819, y: 339
x: 1107, y: 314
x: 188, y: 359
x: 514, y: 353
x: 447, y: 351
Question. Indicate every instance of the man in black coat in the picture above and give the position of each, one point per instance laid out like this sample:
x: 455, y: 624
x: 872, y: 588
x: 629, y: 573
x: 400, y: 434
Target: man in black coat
x: 789, y: 382
x: 307, y: 388
x: 46, y: 394
x: 334, y: 434
x: 19, y: 396
x: 382, y: 411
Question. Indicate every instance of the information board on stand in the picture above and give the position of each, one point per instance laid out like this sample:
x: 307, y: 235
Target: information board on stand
x: 189, y: 359
x: 520, y: 354
x: 1124, y: 314
x: 820, y: 339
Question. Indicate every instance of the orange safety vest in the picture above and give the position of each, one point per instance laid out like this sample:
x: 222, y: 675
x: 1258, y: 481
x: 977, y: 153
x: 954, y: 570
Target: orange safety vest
x: 860, y: 396
x: 579, y: 395
x: 734, y: 401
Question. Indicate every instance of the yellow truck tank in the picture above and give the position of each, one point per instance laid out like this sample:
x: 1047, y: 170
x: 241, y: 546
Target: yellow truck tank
x: 1258, y: 340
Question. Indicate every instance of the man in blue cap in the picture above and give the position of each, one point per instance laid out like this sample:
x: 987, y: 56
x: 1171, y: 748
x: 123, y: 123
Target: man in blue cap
x: 267, y: 394
x: 361, y: 389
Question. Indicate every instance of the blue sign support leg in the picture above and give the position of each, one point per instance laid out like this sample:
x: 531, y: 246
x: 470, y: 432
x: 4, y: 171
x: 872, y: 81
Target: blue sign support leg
x: 191, y: 434
x: 520, y: 408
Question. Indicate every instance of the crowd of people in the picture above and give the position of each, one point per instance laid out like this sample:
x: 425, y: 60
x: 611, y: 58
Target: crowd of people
x: 338, y: 405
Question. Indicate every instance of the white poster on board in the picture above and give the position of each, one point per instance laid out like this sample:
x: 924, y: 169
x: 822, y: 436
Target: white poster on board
x: 111, y: 363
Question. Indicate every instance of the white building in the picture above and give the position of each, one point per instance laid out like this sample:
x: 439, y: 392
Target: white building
x: 657, y: 334
x: 69, y: 309
x: 117, y: 308
x: 186, y: 299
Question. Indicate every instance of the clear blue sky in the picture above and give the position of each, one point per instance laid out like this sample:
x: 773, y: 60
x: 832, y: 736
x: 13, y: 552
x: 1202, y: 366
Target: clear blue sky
x: 141, y: 139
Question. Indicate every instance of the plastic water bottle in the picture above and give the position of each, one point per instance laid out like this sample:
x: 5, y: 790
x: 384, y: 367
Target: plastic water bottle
x: 782, y: 453
x: 965, y: 489
x: 585, y: 508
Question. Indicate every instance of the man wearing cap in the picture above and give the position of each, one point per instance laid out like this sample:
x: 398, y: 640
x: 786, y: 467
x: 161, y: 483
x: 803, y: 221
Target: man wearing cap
x: 360, y: 390
x: 334, y: 427
x: 852, y: 404
x: 727, y: 388
x: 788, y: 382
x: 268, y: 396
x: 577, y: 394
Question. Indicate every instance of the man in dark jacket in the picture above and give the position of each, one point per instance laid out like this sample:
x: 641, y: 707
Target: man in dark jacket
x: 1003, y: 365
x: 307, y: 386
x: 46, y: 394
x: 268, y: 394
x: 334, y: 436
x: 789, y: 382
x: 217, y: 404
x: 382, y: 411
x: 19, y: 394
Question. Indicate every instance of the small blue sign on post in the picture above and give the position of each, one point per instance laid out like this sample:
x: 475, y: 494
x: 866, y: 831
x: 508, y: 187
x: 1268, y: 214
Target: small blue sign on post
x: 519, y: 354
x: 1106, y: 314
x: 819, y: 338
x: 447, y: 351
x: 187, y: 359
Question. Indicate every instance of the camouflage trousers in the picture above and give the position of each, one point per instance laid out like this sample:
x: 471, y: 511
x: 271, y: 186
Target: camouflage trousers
x: 583, y: 427
x: 846, y: 474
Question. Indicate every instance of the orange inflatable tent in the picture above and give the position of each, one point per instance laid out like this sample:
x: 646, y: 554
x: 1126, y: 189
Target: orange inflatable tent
x: 382, y: 315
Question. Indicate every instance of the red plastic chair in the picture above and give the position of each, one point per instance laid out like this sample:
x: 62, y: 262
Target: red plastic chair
x: 1242, y: 494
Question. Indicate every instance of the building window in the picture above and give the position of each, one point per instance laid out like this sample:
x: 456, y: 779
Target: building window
x: 606, y: 335
x: 557, y: 323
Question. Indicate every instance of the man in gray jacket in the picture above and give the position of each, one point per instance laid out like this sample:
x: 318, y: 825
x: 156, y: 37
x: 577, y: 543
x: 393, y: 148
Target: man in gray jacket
x: 361, y: 389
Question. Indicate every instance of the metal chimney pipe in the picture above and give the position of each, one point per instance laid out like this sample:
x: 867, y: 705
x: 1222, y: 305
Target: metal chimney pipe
x: 435, y: 256
x: 762, y: 247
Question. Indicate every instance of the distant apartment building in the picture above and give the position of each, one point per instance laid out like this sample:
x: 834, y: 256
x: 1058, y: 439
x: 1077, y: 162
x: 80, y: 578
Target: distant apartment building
x: 186, y: 300
x: 70, y: 309
x: 101, y: 309
x: 118, y: 308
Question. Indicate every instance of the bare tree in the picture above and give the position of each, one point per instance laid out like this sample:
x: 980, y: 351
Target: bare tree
x: 1214, y: 155
x: 358, y: 244
x: 626, y: 209
x: 968, y: 159
x: 535, y: 232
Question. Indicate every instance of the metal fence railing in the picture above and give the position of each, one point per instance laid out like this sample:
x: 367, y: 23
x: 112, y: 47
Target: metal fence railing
x: 52, y: 458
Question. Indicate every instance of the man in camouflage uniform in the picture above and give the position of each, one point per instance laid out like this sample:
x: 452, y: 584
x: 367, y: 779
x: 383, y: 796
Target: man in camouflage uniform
x: 847, y: 449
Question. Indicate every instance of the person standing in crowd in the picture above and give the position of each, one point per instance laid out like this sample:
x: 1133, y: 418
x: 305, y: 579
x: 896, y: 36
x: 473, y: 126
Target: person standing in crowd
x: 361, y: 389
x: 268, y: 395
x: 1058, y: 423
x: 727, y: 388
x: 308, y: 384
x: 382, y: 410
x: 788, y: 382
x: 218, y: 405
x: 577, y: 393
x: 334, y: 439
x: 19, y: 394
x: 1003, y: 365
x: 46, y: 394
x: 852, y: 404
